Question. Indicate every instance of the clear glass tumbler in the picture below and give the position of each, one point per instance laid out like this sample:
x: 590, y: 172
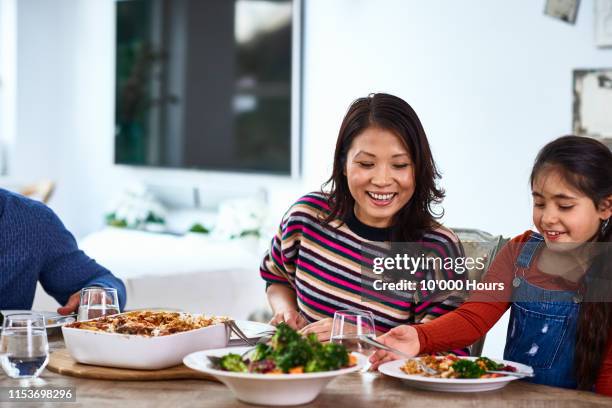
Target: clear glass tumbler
x: 97, y: 302
x: 24, y: 350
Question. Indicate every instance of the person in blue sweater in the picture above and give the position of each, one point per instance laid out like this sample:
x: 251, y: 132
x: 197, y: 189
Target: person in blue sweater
x: 36, y: 247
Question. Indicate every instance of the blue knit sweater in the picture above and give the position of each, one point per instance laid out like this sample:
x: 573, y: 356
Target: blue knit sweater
x: 35, y: 246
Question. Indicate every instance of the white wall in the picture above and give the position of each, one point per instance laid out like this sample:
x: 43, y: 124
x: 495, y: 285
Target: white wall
x: 65, y: 58
x: 490, y: 79
x: 8, y: 79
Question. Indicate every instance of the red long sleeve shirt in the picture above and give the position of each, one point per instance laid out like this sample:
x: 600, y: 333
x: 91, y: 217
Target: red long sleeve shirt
x: 474, y: 318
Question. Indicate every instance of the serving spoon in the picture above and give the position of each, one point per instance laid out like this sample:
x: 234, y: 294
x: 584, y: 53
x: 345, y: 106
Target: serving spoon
x: 382, y: 346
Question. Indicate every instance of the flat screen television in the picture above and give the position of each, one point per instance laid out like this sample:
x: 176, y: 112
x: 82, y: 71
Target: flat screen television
x: 208, y: 84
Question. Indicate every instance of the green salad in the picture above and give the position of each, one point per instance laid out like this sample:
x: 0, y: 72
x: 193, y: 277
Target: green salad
x: 289, y: 352
x: 477, y: 368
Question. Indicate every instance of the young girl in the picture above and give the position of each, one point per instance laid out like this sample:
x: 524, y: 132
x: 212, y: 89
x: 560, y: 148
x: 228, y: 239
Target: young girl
x: 557, y: 281
x: 383, y: 186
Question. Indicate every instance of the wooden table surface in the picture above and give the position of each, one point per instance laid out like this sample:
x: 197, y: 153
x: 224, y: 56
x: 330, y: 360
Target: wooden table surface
x: 352, y: 390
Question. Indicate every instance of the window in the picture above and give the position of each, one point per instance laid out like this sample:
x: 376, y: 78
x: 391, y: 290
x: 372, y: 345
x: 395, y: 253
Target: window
x: 208, y: 84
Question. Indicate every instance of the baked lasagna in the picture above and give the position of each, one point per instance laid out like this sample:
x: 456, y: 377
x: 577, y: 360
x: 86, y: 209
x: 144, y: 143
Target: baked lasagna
x: 148, y: 323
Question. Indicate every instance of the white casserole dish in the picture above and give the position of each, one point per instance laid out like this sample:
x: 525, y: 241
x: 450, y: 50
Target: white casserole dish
x: 141, y: 352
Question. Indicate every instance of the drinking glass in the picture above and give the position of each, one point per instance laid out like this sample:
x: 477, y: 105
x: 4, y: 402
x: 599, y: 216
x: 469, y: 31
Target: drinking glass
x: 24, y: 350
x: 349, y: 326
x: 97, y: 302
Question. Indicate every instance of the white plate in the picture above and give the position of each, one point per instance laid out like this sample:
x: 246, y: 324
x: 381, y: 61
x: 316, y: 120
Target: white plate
x: 392, y: 369
x: 50, y: 318
x: 253, y: 330
x: 267, y: 389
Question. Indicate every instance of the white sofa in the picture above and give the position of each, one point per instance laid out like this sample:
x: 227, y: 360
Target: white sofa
x: 191, y: 273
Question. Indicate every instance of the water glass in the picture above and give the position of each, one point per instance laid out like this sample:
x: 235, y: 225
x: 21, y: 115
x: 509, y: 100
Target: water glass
x: 97, y: 302
x: 24, y: 350
x: 349, y: 326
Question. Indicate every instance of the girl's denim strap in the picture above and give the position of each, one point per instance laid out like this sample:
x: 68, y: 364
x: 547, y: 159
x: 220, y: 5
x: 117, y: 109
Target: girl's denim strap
x: 528, y: 251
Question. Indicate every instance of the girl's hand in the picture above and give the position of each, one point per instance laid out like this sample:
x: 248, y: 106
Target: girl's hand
x: 404, y: 338
x: 292, y: 317
x: 321, y: 328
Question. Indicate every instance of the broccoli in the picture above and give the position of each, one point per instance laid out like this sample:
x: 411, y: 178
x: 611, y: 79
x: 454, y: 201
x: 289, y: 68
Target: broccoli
x: 467, y: 369
x: 233, y: 362
x: 335, y: 355
x: 314, y: 365
x: 489, y: 364
x: 261, y: 351
x: 314, y: 343
x: 326, y: 357
x: 283, y: 336
x: 294, y: 354
x: 291, y: 349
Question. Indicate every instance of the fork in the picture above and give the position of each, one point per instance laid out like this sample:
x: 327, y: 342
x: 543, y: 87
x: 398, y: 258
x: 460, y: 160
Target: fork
x: 519, y: 374
x: 265, y: 334
x: 234, y: 328
x: 260, y: 337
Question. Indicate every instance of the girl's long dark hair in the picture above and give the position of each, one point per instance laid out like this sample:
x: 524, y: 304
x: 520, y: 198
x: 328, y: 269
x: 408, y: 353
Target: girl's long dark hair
x: 586, y: 165
x: 395, y: 115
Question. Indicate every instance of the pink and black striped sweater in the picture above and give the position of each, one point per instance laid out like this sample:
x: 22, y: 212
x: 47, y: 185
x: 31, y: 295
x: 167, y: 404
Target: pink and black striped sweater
x: 323, y: 263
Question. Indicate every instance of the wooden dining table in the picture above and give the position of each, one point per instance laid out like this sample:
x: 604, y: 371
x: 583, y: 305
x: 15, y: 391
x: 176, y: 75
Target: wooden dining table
x: 352, y: 390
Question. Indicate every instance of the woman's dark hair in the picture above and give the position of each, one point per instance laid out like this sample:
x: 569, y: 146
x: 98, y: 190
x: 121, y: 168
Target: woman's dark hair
x: 390, y: 113
x: 586, y: 165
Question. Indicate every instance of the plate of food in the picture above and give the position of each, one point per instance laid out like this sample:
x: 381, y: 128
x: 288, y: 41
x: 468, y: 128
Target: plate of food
x: 53, y: 320
x: 456, y: 374
x: 290, y: 369
x: 143, y: 339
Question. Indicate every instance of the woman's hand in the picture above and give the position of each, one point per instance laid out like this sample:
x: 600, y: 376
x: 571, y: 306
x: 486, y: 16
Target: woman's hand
x: 321, y: 328
x: 284, y: 306
x: 404, y: 338
x: 292, y: 317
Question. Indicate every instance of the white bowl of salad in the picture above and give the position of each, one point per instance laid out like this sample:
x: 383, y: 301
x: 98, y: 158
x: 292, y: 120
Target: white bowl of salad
x: 288, y: 370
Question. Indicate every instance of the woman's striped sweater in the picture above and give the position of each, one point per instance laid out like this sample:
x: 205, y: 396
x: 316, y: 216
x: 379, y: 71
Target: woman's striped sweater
x: 323, y: 264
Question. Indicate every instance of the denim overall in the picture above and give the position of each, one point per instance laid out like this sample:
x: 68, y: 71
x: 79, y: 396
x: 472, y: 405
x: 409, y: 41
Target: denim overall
x: 542, y: 328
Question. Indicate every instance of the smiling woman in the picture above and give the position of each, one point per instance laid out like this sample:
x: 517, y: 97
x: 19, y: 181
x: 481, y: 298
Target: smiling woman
x: 382, y: 188
x: 380, y: 176
x: 383, y: 136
